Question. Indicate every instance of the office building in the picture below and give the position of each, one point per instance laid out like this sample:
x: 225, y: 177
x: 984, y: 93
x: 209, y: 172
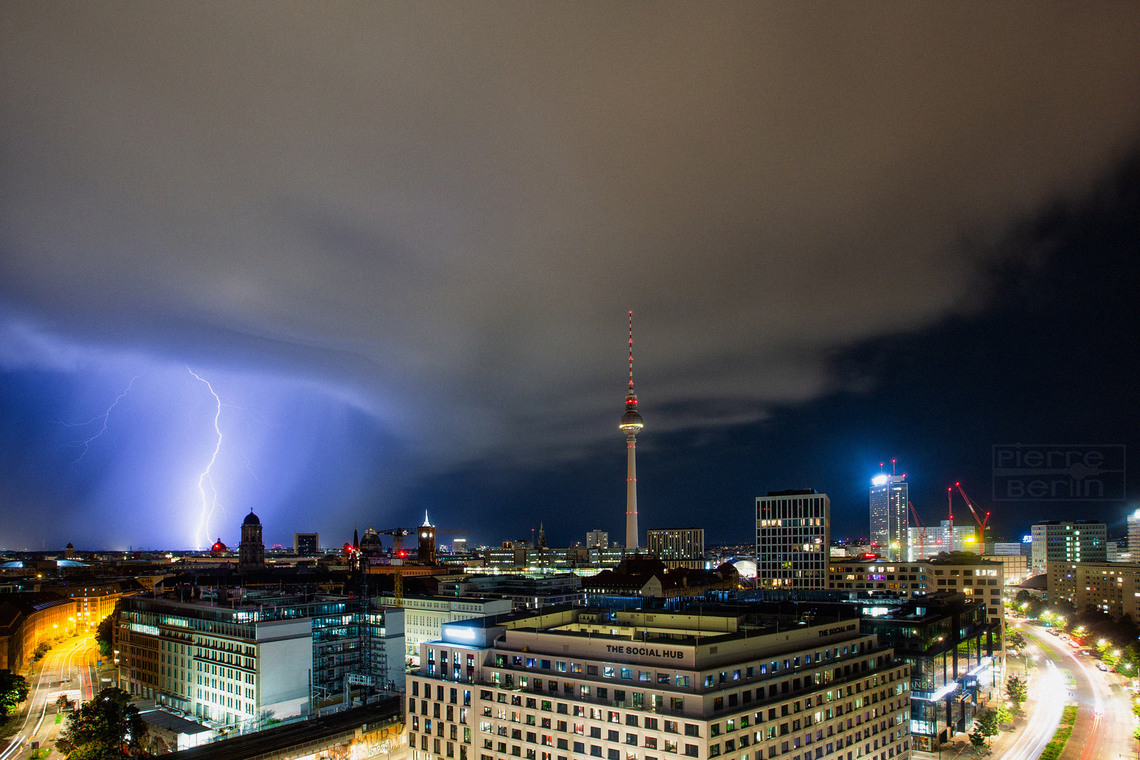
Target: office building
x: 234, y: 661
x: 597, y: 539
x: 929, y: 541
x: 656, y: 685
x: 1057, y: 541
x: 978, y: 578
x: 526, y: 592
x: 947, y: 641
x: 28, y: 619
x: 1111, y: 587
x: 425, y: 615
x: 889, y: 522
x: 678, y: 547
x: 306, y: 544
x: 793, y: 533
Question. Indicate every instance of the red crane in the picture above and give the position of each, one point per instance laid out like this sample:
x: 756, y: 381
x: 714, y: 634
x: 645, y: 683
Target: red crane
x: 982, y: 522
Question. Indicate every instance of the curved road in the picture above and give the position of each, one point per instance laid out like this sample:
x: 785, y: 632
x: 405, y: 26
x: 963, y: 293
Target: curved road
x: 1103, y: 728
x: 68, y: 667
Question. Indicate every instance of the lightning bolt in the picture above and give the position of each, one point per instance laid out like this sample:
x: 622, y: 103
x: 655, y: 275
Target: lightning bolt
x: 206, y: 479
x: 101, y: 419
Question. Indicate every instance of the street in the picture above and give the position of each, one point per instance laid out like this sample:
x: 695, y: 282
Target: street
x: 68, y: 668
x: 1103, y: 728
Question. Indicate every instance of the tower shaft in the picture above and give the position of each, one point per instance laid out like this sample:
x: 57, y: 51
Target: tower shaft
x: 631, y: 490
x: 630, y: 425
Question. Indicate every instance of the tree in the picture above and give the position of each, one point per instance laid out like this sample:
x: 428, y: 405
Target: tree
x: 103, y: 728
x: 13, y: 691
x: 103, y: 634
x: 978, y: 739
x: 1017, y: 691
x: 987, y: 721
x: 1013, y: 638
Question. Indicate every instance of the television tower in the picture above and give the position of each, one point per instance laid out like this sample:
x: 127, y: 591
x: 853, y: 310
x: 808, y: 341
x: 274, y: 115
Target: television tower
x: 630, y: 424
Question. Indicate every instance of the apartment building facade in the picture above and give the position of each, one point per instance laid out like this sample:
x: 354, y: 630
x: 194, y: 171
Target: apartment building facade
x: 655, y: 685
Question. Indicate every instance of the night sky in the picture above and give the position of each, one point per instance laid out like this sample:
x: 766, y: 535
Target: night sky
x: 399, y: 242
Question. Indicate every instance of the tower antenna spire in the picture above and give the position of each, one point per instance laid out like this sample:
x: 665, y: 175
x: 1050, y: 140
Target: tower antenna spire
x: 631, y: 350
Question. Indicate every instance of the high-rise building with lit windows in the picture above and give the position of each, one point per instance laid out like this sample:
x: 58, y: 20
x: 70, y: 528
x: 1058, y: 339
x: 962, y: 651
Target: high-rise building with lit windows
x: 1057, y: 541
x: 889, y: 521
x: 654, y: 685
x: 230, y: 660
x: 677, y: 544
x: 793, y: 533
x: 1134, y: 535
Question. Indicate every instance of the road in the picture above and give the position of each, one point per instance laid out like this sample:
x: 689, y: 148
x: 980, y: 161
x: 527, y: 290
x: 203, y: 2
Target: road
x: 1046, y: 714
x: 1104, y: 713
x: 70, y: 668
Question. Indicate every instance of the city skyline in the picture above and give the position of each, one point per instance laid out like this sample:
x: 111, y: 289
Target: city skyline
x: 307, y: 269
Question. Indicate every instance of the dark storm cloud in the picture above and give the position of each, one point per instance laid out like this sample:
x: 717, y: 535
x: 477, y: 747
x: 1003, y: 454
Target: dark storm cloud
x: 440, y: 212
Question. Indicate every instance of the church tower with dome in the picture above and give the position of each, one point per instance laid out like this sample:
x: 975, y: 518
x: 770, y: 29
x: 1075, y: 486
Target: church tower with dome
x: 251, y: 550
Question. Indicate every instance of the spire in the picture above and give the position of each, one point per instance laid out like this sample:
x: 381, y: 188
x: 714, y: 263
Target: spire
x: 427, y: 523
x: 631, y: 351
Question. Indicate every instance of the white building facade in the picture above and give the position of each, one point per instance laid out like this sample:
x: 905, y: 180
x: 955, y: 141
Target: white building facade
x: 655, y: 686
x: 424, y: 616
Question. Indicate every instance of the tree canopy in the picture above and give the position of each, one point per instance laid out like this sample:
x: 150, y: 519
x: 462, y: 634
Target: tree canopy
x: 103, y: 728
x: 103, y: 634
x: 13, y: 691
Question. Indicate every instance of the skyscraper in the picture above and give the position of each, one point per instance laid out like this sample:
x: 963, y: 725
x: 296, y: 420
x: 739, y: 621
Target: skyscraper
x: 793, y: 533
x: 1134, y: 535
x: 1057, y: 541
x: 630, y: 425
x: 889, y: 515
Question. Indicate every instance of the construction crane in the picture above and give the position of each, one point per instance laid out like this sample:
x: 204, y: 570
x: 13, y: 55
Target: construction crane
x: 397, y: 535
x: 921, y: 532
x: 982, y: 522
